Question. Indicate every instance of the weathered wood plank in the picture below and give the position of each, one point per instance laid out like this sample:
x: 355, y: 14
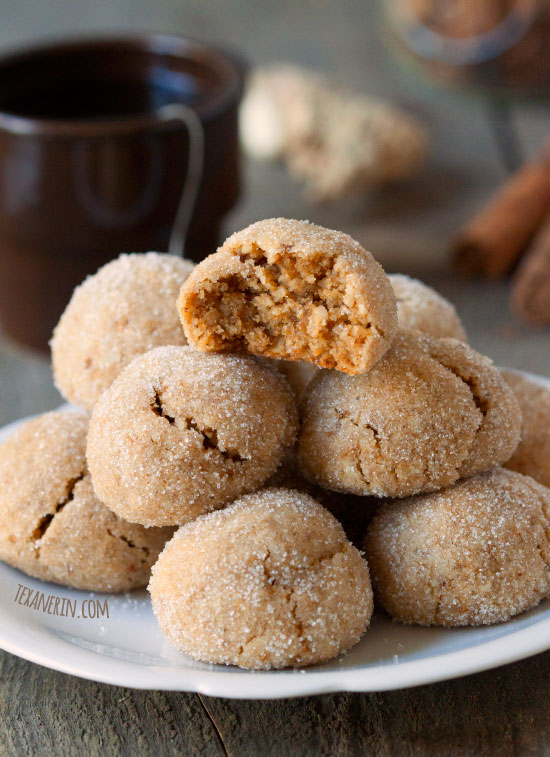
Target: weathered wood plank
x: 502, y: 712
x: 505, y: 712
x: 45, y: 712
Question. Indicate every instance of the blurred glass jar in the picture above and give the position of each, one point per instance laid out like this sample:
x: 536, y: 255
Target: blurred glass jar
x: 499, y: 45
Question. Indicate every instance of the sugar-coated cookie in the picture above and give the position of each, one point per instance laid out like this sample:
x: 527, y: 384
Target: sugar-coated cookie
x: 269, y: 582
x: 473, y: 554
x: 292, y: 290
x: 422, y: 308
x: 53, y: 526
x: 532, y: 455
x: 352, y: 511
x: 180, y: 433
x: 430, y: 412
x: 126, y: 308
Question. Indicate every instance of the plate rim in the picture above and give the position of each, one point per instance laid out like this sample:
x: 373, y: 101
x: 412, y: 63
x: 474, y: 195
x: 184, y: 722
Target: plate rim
x: 302, y: 681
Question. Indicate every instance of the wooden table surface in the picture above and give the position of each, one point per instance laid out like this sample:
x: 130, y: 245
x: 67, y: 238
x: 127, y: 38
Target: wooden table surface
x: 505, y: 711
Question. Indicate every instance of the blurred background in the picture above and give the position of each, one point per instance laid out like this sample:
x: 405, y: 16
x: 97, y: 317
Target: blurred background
x: 479, y: 130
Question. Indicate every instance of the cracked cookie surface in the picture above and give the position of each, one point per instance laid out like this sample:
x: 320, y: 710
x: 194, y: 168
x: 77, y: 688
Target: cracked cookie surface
x: 54, y: 527
x: 291, y: 290
x: 269, y: 582
x: 499, y: 432
x: 180, y: 433
x: 431, y: 412
x: 473, y: 554
x: 125, y: 309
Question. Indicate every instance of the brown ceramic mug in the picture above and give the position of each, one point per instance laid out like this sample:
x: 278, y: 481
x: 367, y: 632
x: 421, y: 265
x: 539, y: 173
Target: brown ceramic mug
x: 94, y: 158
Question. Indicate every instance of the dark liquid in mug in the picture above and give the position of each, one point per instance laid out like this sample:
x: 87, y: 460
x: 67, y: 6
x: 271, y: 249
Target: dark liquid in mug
x: 88, y: 89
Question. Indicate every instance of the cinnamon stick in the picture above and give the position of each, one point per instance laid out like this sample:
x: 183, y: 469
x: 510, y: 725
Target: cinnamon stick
x: 531, y: 286
x: 494, y: 239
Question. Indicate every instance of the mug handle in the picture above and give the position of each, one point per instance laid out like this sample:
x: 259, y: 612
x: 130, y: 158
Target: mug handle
x: 195, y: 166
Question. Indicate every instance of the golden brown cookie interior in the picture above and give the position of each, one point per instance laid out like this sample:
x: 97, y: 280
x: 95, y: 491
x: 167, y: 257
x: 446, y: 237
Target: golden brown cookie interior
x: 268, y: 296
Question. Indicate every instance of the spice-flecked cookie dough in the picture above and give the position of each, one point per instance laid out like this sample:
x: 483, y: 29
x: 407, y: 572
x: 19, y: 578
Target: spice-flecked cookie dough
x: 473, y: 554
x: 53, y: 526
x: 422, y: 308
x: 431, y: 412
x: 180, y: 433
x: 532, y: 455
x: 292, y: 290
x: 419, y: 307
x: 126, y: 308
x: 269, y: 582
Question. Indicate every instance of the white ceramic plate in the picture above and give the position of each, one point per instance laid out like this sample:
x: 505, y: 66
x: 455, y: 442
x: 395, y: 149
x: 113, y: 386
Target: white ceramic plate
x: 128, y: 649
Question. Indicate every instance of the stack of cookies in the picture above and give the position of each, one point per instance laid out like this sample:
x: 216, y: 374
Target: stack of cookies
x: 313, y: 419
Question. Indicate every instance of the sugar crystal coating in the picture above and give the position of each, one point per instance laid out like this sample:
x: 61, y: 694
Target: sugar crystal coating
x: 473, y: 554
x: 353, y: 512
x: 180, y: 433
x: 53, y: 526
x: 532, y: 456
x: 269, y: 582
x: 126, y: 308
x: 291, y: 290
x: 500, y: 430
x: 430, y: 412
x: 422, y: 308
